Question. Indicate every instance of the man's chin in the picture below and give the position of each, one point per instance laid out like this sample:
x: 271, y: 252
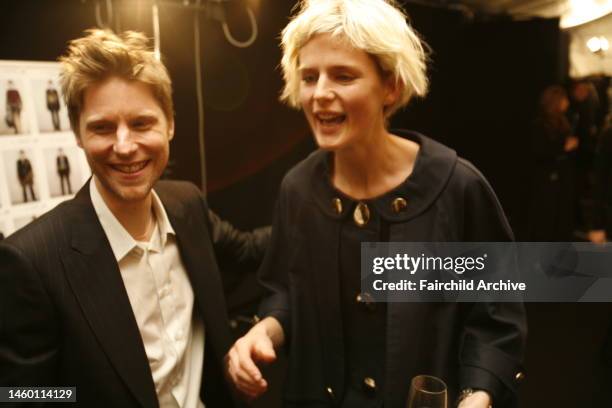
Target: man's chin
x: 131, y: 194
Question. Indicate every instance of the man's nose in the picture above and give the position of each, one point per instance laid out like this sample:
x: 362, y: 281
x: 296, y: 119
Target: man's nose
x: 124, y: 145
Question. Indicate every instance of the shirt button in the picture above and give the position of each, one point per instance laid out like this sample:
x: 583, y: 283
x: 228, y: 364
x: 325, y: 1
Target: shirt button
x: 330, y: 392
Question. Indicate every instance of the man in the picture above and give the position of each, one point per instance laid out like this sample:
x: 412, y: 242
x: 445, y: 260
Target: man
x: 62, y: 165
x: 117, y: 291
x: 25, y: 174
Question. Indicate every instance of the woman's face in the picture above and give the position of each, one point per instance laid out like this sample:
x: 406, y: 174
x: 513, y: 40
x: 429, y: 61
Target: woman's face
x: 342, y: 93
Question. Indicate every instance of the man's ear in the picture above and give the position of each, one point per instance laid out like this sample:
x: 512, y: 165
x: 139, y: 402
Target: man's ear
x: 171, y: 130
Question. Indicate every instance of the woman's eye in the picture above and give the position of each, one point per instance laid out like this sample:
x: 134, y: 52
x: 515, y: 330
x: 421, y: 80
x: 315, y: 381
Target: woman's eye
x: 345, y: 78
x: 309, y: 79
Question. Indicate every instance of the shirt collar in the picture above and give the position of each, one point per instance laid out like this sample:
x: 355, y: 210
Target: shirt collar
x: 120, y: 240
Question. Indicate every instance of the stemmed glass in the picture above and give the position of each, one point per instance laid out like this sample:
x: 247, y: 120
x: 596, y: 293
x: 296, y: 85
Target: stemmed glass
x: 427, y: 391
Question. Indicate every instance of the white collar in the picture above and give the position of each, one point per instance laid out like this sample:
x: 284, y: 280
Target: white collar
x: 120, y: 240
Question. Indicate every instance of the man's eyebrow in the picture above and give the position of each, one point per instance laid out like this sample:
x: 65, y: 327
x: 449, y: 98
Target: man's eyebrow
x: 96, y: 119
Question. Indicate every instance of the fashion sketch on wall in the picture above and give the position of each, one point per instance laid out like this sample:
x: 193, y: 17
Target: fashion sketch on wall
x: 51, y: 113
x: 64, y: 175
x: 21, y: 174
x: 14, y: 119
x: 40, y: 162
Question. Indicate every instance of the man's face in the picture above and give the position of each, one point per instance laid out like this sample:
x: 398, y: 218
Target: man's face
x: 125, y: 136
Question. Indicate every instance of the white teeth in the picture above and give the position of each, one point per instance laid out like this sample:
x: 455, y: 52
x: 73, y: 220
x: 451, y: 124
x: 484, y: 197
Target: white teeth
x: 130, y: 168
x: 330, y: 118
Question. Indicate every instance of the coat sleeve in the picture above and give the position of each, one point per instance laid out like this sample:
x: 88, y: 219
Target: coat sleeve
x: 28, y: 324
x: 494, y: 334
x: 273, y: 273
x: 235, y: 248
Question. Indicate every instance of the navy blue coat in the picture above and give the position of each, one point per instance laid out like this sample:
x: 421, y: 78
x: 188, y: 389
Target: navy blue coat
x: 468, y: 345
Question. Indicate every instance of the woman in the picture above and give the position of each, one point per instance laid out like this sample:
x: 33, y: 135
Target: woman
x: 552, y: 210
x: 349, y: 64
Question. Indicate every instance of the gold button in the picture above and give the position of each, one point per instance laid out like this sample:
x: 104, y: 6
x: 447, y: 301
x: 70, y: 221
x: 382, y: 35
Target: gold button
x: 399, y: 204
x: 337, y: 203
x: 330, y: 392
x: 369, y: 382
x: 361, y: 214
x: 367, y: 300
x: 520, y: 376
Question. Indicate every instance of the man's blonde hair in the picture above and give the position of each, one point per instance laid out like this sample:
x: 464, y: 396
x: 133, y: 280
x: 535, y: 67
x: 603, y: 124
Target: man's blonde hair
x: 377, y: 27
x: 101, y: 54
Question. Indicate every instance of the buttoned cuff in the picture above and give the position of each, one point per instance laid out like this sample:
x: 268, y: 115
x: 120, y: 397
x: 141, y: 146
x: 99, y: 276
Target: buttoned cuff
x: 480, y: 379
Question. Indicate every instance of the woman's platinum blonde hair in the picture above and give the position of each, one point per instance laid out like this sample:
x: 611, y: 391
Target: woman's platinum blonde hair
x: 377, y: 27
x: 101, y: 54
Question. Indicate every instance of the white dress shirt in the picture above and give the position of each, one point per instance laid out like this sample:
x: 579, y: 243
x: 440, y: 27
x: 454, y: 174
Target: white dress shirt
x: 162, y: 300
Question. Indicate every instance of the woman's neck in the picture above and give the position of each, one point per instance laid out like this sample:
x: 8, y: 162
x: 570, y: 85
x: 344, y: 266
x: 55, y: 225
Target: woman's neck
x: 374, y: 167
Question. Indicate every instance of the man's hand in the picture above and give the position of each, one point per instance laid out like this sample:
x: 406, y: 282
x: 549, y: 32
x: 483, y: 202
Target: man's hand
x: 257, y: 346
x: 478, y: 399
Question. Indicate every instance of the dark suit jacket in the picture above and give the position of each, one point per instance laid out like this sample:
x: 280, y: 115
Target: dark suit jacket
x: 65, y: 317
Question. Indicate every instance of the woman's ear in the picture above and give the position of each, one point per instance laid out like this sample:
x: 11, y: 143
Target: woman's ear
x: 393, y: 90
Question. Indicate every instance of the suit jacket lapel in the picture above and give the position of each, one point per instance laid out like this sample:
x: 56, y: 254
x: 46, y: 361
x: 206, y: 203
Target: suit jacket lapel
x: 96, y: 281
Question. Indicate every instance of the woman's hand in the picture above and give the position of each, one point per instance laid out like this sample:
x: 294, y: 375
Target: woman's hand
x: 478, y: 399
x: 257, y: 346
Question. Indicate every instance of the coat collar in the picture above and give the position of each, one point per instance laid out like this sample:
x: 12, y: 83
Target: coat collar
x: 432, y: 169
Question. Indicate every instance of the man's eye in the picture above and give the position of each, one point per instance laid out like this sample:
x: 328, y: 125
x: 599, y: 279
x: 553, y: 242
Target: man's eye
x: 102, y: 128
x: 141, y: 124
